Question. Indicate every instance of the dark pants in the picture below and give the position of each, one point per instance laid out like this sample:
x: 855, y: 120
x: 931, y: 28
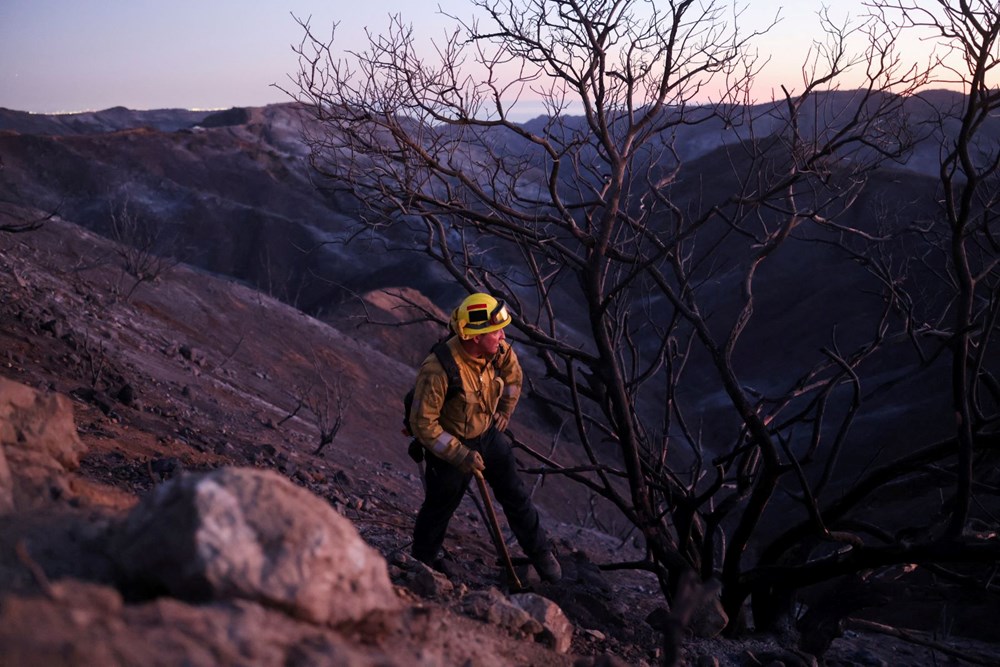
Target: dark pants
x: 445, y: 486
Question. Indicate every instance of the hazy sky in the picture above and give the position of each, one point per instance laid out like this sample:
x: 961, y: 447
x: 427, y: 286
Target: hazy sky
x: 77, y: 55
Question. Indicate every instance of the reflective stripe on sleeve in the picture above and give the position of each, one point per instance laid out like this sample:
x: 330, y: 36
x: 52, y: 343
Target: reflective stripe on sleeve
x: 442, y: 443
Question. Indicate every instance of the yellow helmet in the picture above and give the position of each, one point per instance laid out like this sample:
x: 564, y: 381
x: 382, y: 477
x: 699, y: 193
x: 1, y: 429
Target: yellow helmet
x: 479, y: 314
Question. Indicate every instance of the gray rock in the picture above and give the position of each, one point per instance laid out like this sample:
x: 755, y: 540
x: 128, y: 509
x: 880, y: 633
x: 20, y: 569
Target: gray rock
x: 557, y: 631
x: 492, y: 607
x: 254, y: 535
x: 422, y: 579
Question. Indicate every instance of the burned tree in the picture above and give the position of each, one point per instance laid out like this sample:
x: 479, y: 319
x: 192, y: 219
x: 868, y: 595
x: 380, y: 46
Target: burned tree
x: 641, y: 268
x: 140, y: 247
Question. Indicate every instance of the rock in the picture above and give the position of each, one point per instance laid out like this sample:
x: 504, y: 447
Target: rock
x: 54, y: 326
x: 126, y: 395
x: 491, y: 606
x: 254, y: 535
x: 166, y: 468
x: 658, y: 619
x: 193, y: 354
x: 99, y: 399
x: 40, y: 444
x: 557, y: 631
x: 422, y: 579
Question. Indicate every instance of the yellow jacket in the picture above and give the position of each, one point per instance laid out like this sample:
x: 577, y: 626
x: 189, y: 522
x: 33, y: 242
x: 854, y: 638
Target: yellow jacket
x: 488, y: 387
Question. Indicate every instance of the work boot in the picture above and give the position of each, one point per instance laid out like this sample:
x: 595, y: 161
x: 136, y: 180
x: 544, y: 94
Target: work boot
x: 445, y: 566
x: 547, y: 566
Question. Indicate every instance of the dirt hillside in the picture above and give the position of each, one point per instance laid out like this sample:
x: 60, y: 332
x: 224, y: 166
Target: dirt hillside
x: 191, y: 373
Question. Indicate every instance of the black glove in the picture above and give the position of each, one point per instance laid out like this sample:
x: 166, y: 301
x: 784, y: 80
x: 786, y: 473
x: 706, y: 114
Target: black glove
x: 415, y: 450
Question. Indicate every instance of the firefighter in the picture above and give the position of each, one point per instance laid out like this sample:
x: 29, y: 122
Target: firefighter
x: 465, y: 431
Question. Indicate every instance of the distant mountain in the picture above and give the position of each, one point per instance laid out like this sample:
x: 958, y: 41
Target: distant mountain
x: 230, y: 192
x: 98, y: 122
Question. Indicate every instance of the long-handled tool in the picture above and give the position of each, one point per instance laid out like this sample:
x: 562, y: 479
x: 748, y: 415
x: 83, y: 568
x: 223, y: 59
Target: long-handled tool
x: 497, y: 534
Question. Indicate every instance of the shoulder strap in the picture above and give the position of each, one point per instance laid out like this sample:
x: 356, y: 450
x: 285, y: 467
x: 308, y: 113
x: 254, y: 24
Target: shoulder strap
x: 444, y: 355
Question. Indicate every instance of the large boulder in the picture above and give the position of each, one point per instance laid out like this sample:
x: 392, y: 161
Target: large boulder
x: 38, y: 446
x: 254, y: 535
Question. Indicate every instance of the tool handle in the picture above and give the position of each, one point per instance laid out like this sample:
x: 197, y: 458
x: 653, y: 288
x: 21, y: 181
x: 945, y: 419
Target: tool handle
x: 496, y: 532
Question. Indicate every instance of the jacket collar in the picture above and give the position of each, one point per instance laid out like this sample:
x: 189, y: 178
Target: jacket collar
x: 467, y: 359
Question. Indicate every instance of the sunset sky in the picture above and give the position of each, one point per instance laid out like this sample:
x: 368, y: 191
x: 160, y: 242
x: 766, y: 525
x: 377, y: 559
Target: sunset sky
x: 77, y: 55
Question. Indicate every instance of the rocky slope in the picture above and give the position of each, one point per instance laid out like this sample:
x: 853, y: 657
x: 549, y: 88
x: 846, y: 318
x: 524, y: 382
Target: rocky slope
x: 196, y: 371
x: 192, y: 374
x: 196, y: 374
